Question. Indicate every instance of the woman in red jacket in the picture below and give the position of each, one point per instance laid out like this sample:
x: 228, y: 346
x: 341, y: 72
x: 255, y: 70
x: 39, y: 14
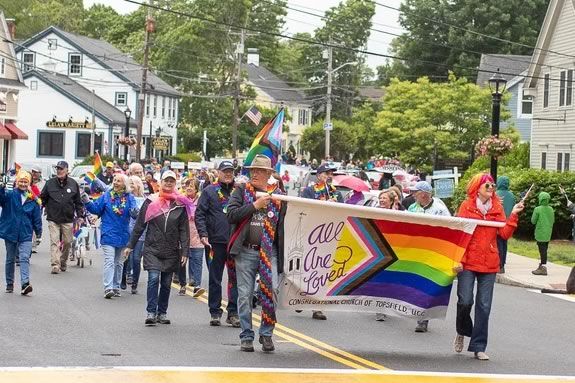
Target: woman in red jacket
x: 480, y: 262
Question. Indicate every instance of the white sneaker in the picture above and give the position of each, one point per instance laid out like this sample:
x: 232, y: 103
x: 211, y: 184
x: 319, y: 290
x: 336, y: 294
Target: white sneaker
x: 481, y: 356
x: 458, y: 343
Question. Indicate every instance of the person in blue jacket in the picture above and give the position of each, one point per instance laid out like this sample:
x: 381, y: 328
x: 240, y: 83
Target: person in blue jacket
x: 21, y: 215
x: 114, y: 207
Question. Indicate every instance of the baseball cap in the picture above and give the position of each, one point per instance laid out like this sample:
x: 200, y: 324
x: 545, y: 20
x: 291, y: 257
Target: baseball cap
x: 423, y: 186
x: 168, y: 173
x: 109, y: 164
x: 62, y: 164
x: 326, y: 167
x: 36, y: 169
x: 225, y: 165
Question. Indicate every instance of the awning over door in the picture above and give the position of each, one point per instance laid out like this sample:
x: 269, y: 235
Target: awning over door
x: 4, y: 133
x: 17, y: 134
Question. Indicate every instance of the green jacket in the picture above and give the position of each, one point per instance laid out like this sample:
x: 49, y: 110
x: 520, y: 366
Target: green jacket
x: 543, y: 218
x: 507, y: 198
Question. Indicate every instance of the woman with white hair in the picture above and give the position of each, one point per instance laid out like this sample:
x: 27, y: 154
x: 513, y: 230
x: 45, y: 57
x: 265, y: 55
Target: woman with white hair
x: 114, y: 208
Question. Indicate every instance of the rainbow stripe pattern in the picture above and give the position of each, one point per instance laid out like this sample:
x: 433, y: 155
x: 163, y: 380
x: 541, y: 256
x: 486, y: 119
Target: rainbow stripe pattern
x: 268, y: 141
x: 98, y: 166
x: 412, y: 262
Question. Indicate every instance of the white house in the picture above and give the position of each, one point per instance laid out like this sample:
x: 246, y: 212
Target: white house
x: 271, y: 91
x: 11, y: 84
x: 56, y: 64
x: 550, y: 81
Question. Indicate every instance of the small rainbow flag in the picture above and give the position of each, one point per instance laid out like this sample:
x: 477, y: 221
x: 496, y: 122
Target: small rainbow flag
x: 268, y: 141
x: 17, y: 167
x: 98, y: 166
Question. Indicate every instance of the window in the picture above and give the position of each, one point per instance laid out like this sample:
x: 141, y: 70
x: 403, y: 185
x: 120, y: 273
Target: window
x: 163, y: 107
x: 83, y: 144
x: 569, y: 95
x: 174, y: 105
x: 566, y: 160
x: 526, y: 105
x: 2, y: 66
x: 33, y: 85
x: 51, y: 144
x: 52, y: 44
x: 562, y: 89
x: 543, y: 160
x: 121, y: 98
x: 559, y: 161
x: 546, y: 91
x: 148, y: 106
x: 169, y: 107
x: 74, y: 64
x: 303, y: 117
x: 155, y: 106
x: 28, y: 61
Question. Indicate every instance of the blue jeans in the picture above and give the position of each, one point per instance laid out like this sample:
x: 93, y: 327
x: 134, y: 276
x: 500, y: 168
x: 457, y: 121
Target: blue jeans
x: 484, y: 296
x: 502, y: 248
x: 137, y: 262
x: 216, y: 272
x: 195, y: 259
x: 113, y: 266
x: 247, y: 262
x: 22, y: 250
x: 158, y: 301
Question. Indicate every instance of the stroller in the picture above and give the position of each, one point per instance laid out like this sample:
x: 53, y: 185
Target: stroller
x: 81, y: 242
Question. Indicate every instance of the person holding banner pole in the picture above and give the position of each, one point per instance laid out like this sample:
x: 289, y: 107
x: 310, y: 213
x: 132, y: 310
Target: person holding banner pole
x: 322, y: 190
x: 427, y: 204
x: 256, y: 243
x: 480, y: 262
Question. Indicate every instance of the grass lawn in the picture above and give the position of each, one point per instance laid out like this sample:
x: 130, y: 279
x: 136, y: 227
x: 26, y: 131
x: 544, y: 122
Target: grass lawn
x: 560, y: 252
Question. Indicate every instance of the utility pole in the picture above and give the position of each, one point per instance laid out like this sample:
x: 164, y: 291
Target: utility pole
x: 93, y: 137
x: 150, y: 28
x: 327, y: 124
x: 236, y: 118
x: 205, y: 145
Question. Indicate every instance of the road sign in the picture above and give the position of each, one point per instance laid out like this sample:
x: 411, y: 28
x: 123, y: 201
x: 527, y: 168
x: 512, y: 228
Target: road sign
x: 328, y: 126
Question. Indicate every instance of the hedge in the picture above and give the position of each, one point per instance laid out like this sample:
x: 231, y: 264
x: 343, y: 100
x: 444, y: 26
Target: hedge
x: 520, y: 181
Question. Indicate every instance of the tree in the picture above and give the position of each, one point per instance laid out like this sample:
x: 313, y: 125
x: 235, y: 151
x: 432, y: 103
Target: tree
x: 447, y: 35
x: 102, y: 22
x: 423, y: 121
x: 342, y: 140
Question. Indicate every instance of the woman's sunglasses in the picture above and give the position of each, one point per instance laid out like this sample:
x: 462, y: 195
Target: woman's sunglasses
x: 489, y: 185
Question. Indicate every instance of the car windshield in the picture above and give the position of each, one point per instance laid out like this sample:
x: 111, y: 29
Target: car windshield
x: 80, y: 170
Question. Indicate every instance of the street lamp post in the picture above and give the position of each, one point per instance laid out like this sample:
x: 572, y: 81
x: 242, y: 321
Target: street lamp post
x: 497, y: 85
x: 127, y: 113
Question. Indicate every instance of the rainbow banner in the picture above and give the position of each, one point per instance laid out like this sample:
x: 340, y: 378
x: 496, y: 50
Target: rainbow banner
x: 268, y: 141
x: 98, y: 166
x: 368, y: 259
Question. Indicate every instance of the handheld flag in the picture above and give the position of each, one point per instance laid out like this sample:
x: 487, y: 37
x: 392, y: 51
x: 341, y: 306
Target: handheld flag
x: 254, y: 115
x: 98, y: 166
x: 17, y: 167
x: 268, y: 141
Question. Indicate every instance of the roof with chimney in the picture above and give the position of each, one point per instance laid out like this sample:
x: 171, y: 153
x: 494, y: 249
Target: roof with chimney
x: 510, y: 66
x: 272, y: 85
x: 110, y: 57
x: 8, y: 52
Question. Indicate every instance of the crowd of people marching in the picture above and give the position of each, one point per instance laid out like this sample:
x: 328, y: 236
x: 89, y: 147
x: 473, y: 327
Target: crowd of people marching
x: 169, y: 223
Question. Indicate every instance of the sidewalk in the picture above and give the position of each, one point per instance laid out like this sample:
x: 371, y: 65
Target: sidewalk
x: 518, y: 273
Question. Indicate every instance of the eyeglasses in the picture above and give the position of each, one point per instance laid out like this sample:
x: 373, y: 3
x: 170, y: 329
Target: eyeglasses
x: 489, y: 185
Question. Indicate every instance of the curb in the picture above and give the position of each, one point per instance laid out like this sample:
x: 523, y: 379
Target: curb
x: 510, y: 281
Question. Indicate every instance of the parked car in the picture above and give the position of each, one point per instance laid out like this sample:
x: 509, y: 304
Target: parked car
x: 79, y: 171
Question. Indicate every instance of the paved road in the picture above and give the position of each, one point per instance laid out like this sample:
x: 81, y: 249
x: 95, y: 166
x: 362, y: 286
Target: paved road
x: 67, y: 322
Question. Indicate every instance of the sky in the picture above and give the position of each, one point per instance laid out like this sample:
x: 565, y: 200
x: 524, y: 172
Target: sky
x: 384, y: 19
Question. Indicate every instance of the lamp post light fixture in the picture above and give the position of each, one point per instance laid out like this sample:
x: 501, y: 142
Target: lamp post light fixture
x: 497, y: 86
x: 128, y: 114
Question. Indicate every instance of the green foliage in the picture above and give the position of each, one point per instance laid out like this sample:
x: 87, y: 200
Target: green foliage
x: 342, y: 140
x: 433, y: 27
x: 423, y: 121
x: 520, y: 181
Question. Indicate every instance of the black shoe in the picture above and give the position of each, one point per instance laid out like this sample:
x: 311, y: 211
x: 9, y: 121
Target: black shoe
x: 215, y: 321
x: 26, y: 289
x: 150, y: 319
x: 163, y: 319
x: 10, y: 288
x: 108, y: 294
x: 247, y: 345
x: 117, y: 293
x: 267, y: 343
x: 123, y: 286
x: 234, y: 320
x: 134, y: 289
x: 318, y: 315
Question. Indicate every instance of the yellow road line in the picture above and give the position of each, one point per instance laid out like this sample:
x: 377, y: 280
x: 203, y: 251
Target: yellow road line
x: 312, y: 344
x: 216, y: 375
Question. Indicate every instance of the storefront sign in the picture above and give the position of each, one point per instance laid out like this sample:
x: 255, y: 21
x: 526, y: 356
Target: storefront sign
x: 160, y: 143
x: 69, y: 124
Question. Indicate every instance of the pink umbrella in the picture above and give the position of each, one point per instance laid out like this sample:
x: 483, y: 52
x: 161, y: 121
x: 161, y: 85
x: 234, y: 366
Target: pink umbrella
x: 350, y: 182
